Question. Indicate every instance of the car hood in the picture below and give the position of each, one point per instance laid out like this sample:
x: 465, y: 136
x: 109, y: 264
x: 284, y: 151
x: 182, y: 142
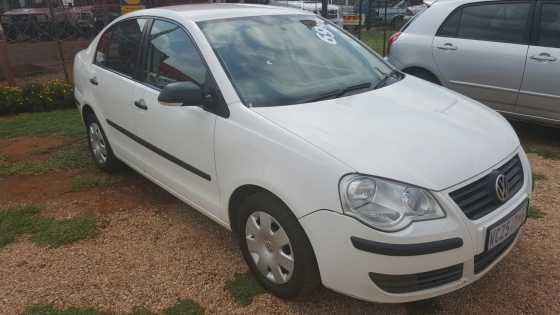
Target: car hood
x: 411, y: 131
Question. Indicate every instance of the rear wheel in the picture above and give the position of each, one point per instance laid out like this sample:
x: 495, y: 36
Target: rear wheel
x: 99, y: 145
x: 276, y: 247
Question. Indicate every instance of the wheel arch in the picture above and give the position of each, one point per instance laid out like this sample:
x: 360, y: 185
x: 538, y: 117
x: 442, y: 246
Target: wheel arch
x: 414, y: 70
x: 239, y: 195
x: 87, y: 110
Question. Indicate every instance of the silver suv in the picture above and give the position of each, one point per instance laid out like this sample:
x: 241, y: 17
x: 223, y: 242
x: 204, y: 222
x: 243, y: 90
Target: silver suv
x: 502, y: 53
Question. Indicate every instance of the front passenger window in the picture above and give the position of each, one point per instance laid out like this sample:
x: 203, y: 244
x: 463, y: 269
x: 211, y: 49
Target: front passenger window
x: 172, y: 57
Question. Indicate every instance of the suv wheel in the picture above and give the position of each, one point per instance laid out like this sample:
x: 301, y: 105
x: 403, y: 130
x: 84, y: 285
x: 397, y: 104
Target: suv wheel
x: 276, y: 247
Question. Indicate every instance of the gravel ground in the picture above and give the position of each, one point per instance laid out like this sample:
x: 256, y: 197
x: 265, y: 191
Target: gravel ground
x: 153, y: 250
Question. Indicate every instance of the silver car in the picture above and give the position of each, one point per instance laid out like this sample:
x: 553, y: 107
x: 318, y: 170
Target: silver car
x: 502, y: 53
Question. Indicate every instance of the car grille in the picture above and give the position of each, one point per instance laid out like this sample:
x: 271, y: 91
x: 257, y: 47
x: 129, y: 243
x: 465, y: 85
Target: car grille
x: 478, y: 199
x: 418, y: 281
x: 485, y: 259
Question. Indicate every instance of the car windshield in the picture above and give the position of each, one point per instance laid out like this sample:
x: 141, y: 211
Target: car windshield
x: 292, y: 59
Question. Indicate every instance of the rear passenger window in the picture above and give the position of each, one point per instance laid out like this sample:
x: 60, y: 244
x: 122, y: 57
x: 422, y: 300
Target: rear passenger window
x: 172, y: 57
x: 549, y: 28
x: 118, y: 47
x: 500, y: 22
x: 450, y: 27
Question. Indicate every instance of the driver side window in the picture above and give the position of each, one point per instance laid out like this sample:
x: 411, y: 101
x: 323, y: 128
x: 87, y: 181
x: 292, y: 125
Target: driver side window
x: 172, y: 57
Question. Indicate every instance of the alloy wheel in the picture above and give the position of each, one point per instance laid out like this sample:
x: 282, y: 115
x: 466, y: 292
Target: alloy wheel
x: 98, y: 145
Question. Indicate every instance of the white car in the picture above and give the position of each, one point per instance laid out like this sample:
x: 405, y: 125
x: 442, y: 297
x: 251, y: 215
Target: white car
x: 328, y: 167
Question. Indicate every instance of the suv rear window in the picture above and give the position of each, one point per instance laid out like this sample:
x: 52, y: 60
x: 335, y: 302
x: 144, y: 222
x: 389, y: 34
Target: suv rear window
x: 495, y: 22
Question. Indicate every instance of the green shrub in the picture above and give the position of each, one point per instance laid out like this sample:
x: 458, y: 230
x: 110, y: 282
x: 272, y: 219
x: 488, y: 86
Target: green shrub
x: 36, y: 97
x: 33, y: 97
x: 11, y: 100
x: 58, y: 94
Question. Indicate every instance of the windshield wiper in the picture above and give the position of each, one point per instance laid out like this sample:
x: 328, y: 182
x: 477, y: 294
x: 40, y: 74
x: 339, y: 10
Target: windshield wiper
x: 338, y: 92
x: 387, y: 78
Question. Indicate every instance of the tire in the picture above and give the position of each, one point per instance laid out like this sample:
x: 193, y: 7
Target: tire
x: 424, y: 75
x: 99, y: 146
x: 304, y: 278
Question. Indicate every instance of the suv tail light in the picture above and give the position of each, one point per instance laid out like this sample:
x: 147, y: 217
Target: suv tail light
x: 391, y: 41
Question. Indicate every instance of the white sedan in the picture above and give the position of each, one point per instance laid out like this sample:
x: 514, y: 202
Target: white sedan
x: 328, y: 165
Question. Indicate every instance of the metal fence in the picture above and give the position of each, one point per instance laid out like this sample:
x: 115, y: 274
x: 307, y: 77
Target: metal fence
x: 39, y: 38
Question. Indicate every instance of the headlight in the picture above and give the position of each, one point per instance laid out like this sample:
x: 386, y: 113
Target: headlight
x: 386, y: 205
x: 42, y: 18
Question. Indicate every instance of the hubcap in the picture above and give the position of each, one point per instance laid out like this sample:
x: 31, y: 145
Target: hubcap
x: 269, y: 247
x: 97, y: 141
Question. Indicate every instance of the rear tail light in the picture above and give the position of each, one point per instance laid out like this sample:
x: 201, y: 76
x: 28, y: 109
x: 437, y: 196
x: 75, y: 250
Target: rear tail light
x: 392, y: 40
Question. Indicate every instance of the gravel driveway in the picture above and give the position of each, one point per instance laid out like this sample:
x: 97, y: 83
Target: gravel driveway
x: 151, y: 250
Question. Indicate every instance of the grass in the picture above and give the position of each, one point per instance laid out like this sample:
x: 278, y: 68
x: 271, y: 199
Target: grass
x: 56, y: 233
x: 8, y: 168
x: 182, y: 307
x: 69, y: 157
x: 545, y: 152
x: 90, y: 181
x: 535, y: 213
x: 45, y: 231
x: 140, y: 310
x: 16, y: 221
x: 63, y: 122
x: 539, y: 177
x: 424, y: 307
x: 374, y: 39
x: 243, y: 288
x: 72, y: 156
x: 50, y: 310
x: 185, y: 307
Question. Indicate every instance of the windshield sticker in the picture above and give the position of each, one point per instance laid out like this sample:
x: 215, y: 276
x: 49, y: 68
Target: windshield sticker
x: 324, y: 34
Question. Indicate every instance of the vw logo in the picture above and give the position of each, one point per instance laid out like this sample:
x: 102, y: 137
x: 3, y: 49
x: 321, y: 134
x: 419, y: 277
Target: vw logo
x: 502, y: 188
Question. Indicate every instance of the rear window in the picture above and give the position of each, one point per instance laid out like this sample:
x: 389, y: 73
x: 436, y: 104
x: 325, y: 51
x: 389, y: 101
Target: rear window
x: 495, y: 22
x: 549, y: 26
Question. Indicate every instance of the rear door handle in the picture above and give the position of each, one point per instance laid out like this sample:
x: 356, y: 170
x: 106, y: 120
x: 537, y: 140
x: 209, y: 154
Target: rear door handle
x: 447, y: 46
x: 94, y: 81
x: 544, y: 57
x: 141, y: 104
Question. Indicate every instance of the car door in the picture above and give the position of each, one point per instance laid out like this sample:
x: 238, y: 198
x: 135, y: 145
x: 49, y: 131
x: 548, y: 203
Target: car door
x: 540, y: 92
x: 178, y: 140
x: 114, y: 84
x: 480, y: 50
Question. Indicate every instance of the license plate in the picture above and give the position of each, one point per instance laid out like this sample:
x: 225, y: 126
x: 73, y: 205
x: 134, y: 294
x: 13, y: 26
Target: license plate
x: 502, y: 230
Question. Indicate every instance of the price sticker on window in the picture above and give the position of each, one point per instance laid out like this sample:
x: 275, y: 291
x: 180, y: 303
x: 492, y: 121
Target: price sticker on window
x: 324, y: 34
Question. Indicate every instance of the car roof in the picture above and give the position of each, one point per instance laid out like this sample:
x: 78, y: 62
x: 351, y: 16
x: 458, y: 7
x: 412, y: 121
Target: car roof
x: 210, y: 11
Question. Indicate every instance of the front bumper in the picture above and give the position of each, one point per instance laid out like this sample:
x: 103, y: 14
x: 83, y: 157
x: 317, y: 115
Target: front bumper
x: 420, y: 269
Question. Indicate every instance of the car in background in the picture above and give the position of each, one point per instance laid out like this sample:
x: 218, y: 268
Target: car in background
x: 334, y: 12
x: 90, y: 16
x: 328, y: 164
x: 33, y: 19
x: 505, y: 54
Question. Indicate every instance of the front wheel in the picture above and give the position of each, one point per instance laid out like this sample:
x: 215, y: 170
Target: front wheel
x: 276, y: 247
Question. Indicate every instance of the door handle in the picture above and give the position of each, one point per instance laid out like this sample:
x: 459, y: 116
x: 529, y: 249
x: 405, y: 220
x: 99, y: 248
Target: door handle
x: 94, y: 81
x: 141, y: 104
x: 544, y: 57
x: 447, y: 46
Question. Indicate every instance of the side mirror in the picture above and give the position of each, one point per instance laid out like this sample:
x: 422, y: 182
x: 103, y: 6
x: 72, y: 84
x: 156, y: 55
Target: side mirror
x: 181, y: 94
